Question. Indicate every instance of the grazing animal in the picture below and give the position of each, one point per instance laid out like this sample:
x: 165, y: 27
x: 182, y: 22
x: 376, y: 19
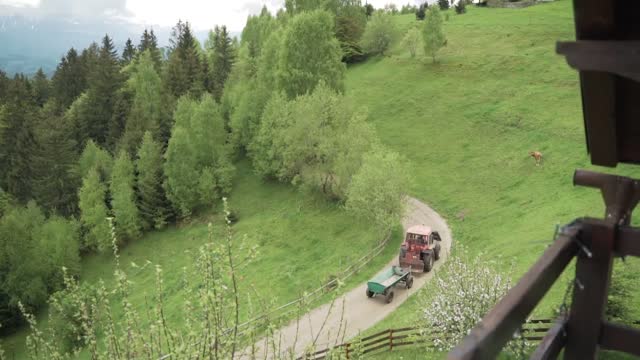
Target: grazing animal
x: 536, y: 155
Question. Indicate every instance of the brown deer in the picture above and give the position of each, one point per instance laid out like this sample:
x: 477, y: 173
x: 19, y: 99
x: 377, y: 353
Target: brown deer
x: 536, y: 155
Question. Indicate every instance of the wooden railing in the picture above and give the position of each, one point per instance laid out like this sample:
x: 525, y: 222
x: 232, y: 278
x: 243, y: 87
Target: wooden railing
x: 391, y: 339
x: 582, y: 329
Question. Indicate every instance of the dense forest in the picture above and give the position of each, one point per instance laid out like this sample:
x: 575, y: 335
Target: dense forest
x: 119, y: 143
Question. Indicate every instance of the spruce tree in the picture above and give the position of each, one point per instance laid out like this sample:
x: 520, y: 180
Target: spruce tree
x: 149, y: 42
x: 127, y: 220
x: 40, y: 88
x: 69, y: 80
x: 222, y: 56
x: 183, y: 73
x: 4, y: 86
x: 121, y: 110
x: 152, y: 201
x: 55, y: 181
x: 17, y: 139
x: 94, y: 213
x: 146, y: 108
x: 105, y: 81
x: 128, y: 53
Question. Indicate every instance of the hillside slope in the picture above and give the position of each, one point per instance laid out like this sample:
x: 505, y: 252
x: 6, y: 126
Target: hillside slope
x: 468, y: 123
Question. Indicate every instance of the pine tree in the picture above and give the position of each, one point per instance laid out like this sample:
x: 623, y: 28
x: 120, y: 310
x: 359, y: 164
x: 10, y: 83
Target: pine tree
x: 146, y: 108
x: 152, y: 201
x: 69, y: 80
x: 433, y: 35
x: 128, y: 53
x: 55, y: 181
x: 221, y: 58
x: 127, y: 220
x: 183, y: 73
x: 94, y: 213
x: 149, y: 42
x: 40, y: 88
x: 105, y: 81
x: 17, y: 139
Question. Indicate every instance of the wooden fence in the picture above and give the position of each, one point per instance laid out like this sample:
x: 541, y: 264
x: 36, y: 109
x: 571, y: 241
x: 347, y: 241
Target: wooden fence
x: 290, y: 307
x: 391, y: 339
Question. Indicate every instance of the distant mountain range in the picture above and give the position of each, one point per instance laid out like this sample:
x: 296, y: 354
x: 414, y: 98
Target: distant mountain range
x: 30, y: 43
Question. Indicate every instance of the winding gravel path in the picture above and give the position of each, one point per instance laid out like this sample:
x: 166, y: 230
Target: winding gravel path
x: 360, y: 312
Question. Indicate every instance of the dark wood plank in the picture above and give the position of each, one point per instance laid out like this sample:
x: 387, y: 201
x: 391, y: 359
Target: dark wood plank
x: 628, y: 242
x: 615, y: 57
x: 620, y: 338
x: 487, y: 339
x: 590, y: 292
x: 552, y: 342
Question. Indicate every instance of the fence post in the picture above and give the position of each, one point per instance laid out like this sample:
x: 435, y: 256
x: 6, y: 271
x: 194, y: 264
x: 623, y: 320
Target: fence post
x: 391, y: 340
x: 347, y: 350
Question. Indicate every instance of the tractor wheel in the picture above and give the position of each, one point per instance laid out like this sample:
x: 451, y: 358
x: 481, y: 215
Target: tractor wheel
x: 437, y: 252
x: 428, y: 263
x: 389, y: 297
x: 370, y: 293
x: 409, y: 283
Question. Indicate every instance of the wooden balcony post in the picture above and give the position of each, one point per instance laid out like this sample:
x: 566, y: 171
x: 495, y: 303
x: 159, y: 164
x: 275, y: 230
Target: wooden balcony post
x: 593, y: 274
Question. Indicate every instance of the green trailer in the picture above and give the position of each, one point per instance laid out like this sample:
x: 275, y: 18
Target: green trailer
x: 384, y: 283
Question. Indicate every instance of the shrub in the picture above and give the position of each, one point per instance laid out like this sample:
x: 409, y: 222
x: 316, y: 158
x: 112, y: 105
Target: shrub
x: 461, y: 7
x: 443, y: 4
x: 463, y: 294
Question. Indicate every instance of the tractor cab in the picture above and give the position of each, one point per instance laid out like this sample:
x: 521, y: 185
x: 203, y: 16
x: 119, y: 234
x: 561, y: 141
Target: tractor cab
x: 420, y: 249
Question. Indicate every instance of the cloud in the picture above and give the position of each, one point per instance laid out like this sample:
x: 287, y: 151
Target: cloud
x: 84, y: 8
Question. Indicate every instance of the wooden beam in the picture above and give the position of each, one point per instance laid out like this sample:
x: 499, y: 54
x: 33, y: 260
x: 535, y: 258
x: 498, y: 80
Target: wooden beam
x: 488, y: 337
x: 615, y: 57
x: 552, y: 343
x: 620, y: 338
x: 593, y: 274
x: 628, y: 242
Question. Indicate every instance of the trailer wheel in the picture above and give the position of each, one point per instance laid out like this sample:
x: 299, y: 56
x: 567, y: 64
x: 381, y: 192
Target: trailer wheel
x: 428, y: 263
x: 370, y: 293
x: 436, y: 253
x: 389, y: 297
x: 409, y: 282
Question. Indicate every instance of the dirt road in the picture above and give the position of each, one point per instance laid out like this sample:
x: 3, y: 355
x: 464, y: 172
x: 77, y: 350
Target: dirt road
x: 360, y: 312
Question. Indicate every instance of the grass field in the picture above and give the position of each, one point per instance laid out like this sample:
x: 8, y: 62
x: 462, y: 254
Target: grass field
x: 467, y: 124
x: 302, y: 239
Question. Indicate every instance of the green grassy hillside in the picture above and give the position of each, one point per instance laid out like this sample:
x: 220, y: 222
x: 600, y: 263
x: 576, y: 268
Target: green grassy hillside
x: 468, y: 123
x: 302, y: 240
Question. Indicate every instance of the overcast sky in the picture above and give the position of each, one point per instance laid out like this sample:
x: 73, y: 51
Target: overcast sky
x: 203, y: 14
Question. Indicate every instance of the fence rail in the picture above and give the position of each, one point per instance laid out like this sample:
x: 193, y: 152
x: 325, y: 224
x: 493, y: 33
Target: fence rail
x: 389, y: 339
x: 288, y: 308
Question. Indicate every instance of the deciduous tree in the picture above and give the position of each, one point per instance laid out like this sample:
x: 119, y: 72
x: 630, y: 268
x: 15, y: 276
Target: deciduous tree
x: 127, y: 219
x: 433, y: 35
x: 310, y: 54
x: 379, y: 33
x: 412, y: 40
x: 94, y: 212
x: 377, y: 191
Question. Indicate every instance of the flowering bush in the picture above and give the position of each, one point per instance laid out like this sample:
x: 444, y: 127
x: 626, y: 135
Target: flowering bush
x: 462, y: 295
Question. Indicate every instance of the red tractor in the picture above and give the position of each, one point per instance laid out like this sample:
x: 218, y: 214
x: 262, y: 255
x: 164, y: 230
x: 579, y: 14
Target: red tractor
x: 420, y: 249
